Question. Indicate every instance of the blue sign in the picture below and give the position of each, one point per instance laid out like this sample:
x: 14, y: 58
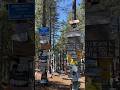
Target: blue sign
x: 43, y: 57
x: 21, y: 11
x: 44, y: 31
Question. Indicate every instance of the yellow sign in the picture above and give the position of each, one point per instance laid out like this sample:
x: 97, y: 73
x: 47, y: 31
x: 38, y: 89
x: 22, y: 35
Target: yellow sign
x: 79, y: 54
x: 70, y: 60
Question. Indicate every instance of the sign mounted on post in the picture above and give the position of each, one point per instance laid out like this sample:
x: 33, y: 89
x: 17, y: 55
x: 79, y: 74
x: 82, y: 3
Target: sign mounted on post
x: 44, y: 31
x: 21, y: 11
x: 74, y: 21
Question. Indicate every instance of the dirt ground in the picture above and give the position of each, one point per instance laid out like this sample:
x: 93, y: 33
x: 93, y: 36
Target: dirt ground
x: 60, y: 82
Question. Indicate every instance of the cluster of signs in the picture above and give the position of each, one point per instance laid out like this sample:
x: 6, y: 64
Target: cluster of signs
x: 22, y: 14
x: 73, y: 48
x: 92, y: 68
x: 98, y: 72
x: 21, y: 31
x: 44, y: 46
x: 21, y: 71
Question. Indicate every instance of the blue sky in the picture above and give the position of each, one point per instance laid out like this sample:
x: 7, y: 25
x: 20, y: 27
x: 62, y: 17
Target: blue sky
x: 67, y: 4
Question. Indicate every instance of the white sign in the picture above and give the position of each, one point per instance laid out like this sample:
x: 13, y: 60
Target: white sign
x: 74, y: 21
x: 44, y: 39
x: 73, y: 34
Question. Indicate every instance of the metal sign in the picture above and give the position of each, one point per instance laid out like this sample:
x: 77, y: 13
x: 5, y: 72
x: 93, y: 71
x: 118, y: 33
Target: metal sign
x: 43, y: 57
x: 21, y: 11
x: 43, y: 61
x: 73, y: 34
x: 44, y: 31
x: 73, y: 46
x: 44, y: 39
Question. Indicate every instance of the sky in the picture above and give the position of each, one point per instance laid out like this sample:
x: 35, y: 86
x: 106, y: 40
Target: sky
x: 67, y: 5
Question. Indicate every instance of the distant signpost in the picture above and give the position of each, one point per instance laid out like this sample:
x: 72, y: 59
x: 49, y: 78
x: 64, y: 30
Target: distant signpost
x: 21, y: 11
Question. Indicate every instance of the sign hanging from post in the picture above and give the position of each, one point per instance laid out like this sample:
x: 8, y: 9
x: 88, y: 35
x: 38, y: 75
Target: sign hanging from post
x: 21, y: 11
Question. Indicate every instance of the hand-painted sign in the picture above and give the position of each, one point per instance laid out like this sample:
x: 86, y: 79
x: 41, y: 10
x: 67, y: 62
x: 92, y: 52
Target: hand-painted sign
x: 21, y: 11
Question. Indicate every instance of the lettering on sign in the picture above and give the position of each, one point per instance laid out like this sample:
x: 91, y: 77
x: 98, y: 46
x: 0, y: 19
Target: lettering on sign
x: 98, y: 48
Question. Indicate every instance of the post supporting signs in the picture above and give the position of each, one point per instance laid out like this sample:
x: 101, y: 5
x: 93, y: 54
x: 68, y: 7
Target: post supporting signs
x: 44, y: 46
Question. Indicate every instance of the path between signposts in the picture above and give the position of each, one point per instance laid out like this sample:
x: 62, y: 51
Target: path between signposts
x: 60, y: 82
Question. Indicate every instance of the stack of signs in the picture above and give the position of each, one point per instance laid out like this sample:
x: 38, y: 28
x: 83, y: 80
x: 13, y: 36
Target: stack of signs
x: 21, y: 72
x: 72, y: 46
x: 20, y: 38
x: 22, y: 30
x: 21, y: 15
x: 92, y: 69
x: 45, y: 46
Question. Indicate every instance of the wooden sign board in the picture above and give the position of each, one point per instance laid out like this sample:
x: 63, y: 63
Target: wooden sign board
x: 23, y: 49
x: 45, y: 46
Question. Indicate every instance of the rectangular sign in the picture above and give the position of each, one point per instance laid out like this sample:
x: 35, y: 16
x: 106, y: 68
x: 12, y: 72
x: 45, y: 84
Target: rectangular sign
x: 23, y: 48
x: 43, y: 64
x: 45, y: 46
x: 44, y: 31
x: 43, y: 57
x: 22, y: 27
x: 44, y: 39
x: 43, y: 61
x: 100, y: 48
x: 21, y: 11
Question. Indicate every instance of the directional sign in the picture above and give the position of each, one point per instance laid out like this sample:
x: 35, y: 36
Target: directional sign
x: 43, y: 61
x: 74, y: 21
x: 43, y: 57
x: 45, y: 46
x: 44, y: 31
x: 21, y: 11
x: 44, y: 39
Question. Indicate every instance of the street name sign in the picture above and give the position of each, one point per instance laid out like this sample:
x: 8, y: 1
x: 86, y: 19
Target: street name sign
x: 21, y: 11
